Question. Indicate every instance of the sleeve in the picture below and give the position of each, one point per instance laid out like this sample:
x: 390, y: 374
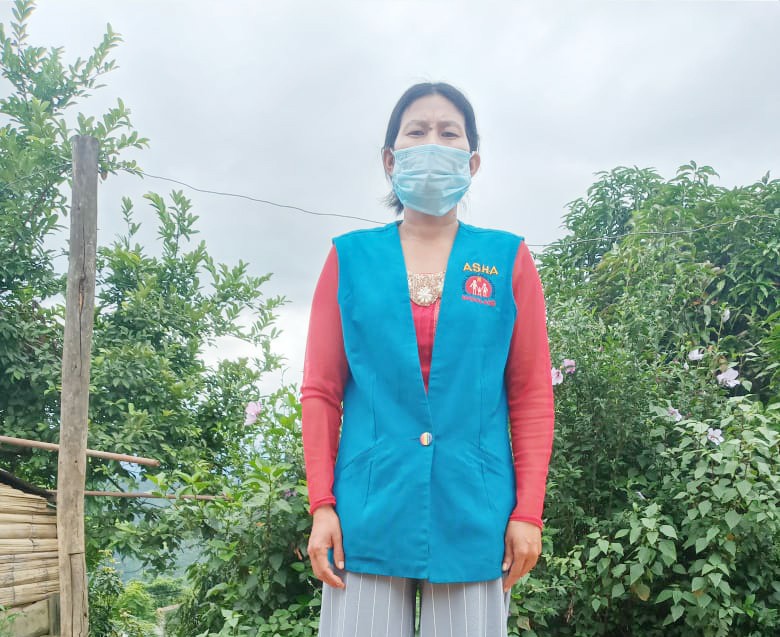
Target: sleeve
x: 529, y: 390
x: 325, y: 372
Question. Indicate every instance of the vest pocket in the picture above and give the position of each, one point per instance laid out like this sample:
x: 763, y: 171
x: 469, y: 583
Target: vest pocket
x: 358, y: 459
x: 498, y: 483
x: 352, y: 479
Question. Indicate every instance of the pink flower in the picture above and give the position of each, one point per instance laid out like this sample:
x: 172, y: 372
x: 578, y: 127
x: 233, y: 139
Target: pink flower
x: 674, y: 414
x: 696, y: 354
x: 557, y: 376
x: 715, y: 435
x: 569, y: 366
x: 728, y: 378
x: 252, y: 411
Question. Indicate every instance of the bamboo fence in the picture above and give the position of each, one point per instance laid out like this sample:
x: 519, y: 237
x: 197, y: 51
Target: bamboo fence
x: 28, y: 548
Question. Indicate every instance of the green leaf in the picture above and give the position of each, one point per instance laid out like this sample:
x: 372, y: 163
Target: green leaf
x: 698, y: 583
x: 645, y: 555
x: 618, y: 590
x: 715, y: 578
x: 642, y: 591
x: 275, y: 560
x: 668, y: 549
x: 619, y: 569
x: 523, y: 622
x: 732, y: 518
x: 668, y: 531
x: 652, y: 537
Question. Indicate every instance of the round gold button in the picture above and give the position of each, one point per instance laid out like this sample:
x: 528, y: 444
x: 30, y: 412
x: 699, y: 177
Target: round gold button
x: 426, y: 439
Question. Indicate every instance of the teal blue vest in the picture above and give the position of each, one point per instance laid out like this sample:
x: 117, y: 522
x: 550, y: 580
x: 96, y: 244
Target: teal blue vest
x: 424, y: 483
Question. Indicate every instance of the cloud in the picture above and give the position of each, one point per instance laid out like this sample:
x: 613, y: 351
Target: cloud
x: 289, y: 102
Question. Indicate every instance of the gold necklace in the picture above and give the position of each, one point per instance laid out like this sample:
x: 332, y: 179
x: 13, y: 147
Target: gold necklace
x: 425, y: 287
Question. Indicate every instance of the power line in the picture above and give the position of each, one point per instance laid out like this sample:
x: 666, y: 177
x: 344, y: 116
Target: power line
x: 535, y: 245
x: 29, y: 176
x: 138, y: 171
x: 265, y: 201
x: 641, y: 233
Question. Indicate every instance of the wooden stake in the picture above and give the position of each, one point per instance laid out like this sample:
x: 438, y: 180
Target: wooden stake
x: 72, y: 461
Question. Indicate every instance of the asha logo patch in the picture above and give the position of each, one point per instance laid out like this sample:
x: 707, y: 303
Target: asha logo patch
x: 479, y: 290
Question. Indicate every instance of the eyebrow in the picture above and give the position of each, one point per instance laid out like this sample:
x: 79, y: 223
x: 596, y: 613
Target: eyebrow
x: 424, y: 123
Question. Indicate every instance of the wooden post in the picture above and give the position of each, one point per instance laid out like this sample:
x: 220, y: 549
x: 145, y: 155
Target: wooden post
x: 54, y: 615
x: 72, y: 461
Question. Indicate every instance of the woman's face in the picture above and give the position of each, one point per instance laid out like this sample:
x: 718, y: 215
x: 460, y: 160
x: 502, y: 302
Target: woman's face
x: 432, y: 119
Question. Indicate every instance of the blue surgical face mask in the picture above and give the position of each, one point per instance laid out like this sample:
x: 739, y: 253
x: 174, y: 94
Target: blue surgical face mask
x: 431, y: 178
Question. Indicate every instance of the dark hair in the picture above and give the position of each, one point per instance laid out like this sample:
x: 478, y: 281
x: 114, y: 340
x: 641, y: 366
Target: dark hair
x: 415, y: 92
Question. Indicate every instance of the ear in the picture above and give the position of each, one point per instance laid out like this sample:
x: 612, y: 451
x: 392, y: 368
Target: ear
x: 474, y: 163
x: 388, y: 161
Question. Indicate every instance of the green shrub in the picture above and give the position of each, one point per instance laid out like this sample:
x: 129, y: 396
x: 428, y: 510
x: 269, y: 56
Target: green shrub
x: 105, y: 587
x: 136, y: 601
x: 253, y: 573
x: 116, y: 610
x: 697, y: 550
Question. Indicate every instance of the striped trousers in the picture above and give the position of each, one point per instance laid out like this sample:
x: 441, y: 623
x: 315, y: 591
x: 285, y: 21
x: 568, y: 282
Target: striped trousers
x: 381, y: 606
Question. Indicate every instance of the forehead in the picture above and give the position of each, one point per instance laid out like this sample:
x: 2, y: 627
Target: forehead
x: 432, y: 108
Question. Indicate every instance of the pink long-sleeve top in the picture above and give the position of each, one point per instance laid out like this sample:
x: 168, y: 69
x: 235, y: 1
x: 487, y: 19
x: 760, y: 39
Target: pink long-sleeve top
x: 528, y: 382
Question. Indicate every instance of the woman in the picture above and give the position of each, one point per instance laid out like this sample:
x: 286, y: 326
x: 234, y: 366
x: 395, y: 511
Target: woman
x: 425, y: 488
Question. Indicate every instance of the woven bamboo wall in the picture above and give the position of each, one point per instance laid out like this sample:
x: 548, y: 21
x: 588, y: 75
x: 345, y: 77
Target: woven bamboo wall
x: 28, y: 548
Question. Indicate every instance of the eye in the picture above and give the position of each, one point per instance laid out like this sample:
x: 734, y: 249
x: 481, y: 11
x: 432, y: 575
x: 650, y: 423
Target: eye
x: 449, y: 133
x: 416, y: 132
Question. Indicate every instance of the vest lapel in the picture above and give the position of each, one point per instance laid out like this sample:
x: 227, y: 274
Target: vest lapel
x: 410, y: 365
x: 451, y: 281
x: 446, y: 329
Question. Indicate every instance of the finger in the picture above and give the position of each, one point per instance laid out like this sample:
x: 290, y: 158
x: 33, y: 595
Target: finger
x: 528, y: 564
x: 315, y: 555
x: 323, y: 571
x: 533, y: 559
x: 508, y: 552
x: 338, y: 550
x: 516, y: 571
x: 532, y: 556
x: 329, y: 577
x: 513, y: 575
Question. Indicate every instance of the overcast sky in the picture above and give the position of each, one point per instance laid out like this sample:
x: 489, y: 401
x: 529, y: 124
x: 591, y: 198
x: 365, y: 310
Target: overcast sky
x: 289, y: 100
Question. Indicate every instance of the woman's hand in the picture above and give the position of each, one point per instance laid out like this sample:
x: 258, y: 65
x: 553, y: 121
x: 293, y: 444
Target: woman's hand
x: 326, y: 534
x: 522, y: 548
